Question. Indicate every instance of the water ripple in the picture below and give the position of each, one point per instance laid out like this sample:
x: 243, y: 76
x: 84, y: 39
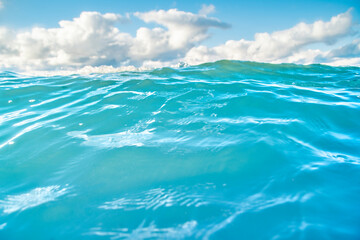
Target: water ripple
x: 154, y: 199
x: 205, y: 151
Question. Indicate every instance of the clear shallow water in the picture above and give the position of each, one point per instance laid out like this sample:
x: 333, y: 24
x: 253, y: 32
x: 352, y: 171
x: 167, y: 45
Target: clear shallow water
x: 226, y: 150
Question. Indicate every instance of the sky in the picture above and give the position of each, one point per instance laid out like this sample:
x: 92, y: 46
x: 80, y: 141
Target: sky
x: 53, y: 35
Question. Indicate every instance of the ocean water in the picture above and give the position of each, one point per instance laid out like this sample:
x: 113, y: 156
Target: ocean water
x: 225, y: 150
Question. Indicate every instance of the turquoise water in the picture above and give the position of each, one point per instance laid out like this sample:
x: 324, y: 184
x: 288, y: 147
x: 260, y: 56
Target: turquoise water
x: 225, y: 150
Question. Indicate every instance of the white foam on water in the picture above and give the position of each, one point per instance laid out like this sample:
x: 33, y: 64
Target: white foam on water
x: 33, y: 198
x: 114, y: 140
x: 240, y: 120
x: 151, y: 231
x: 157, y: 198
x: 147, y: 66
x: 2, y: 226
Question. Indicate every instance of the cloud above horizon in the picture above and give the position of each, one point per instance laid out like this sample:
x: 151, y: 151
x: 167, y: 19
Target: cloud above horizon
x: 93, y: 39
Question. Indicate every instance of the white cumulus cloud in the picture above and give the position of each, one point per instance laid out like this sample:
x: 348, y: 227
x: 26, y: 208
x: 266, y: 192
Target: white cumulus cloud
x: 349, y: 50
x: 184, y: 30
x: 93, y: 40
x: 207, y: 9
x: 278, y: 45
x: 90, y: 39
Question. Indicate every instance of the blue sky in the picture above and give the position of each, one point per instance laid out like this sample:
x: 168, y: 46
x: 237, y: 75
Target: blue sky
x: 246, y: 18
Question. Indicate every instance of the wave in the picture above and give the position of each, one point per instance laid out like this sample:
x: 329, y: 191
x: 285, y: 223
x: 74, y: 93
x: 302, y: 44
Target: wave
x: 206, y: 151
x: 226, y: 65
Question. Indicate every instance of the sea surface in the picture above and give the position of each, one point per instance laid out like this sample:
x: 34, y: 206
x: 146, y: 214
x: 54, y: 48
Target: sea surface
x: 225, y: 150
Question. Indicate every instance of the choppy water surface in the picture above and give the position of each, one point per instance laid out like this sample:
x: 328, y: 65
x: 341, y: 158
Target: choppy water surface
x: 226, y: 150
